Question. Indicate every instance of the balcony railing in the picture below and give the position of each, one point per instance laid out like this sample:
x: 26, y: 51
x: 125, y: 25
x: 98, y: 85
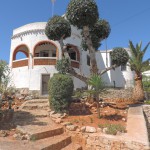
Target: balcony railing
x: 74, y: 64
x: 40, y: 61
x: 20, y: 63
x: 44, y: 61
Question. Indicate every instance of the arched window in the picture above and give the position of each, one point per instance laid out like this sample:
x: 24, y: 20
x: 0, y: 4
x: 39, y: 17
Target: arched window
x: 45, y: 49
x: 21, y: 52
x: 73, y: 52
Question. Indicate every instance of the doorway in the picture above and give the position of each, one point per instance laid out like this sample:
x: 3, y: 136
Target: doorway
x: 45, y: 79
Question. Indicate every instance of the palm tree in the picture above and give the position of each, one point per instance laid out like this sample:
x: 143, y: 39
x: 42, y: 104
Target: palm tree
x: 97, y: 87
x: 138, y: 64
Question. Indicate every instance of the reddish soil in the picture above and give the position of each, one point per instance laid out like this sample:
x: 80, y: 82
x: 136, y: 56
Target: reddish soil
x: 8, y: 127
x: 110, y: 114
x: 15, y: 104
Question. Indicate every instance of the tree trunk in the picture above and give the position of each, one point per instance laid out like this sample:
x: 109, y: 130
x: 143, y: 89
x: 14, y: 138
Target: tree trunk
x: 98, y: 107
x: 71, y: 70
x: 88, y: 41
x: 138, y: 91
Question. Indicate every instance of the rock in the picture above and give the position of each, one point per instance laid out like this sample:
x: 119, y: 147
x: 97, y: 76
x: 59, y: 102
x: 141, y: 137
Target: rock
x: 71, y: 127
x: 64, y: 115
x: 90, y: 129
x: 123, y: 119
x: 28, y: 98
x: 78, y: 130
x: 105, y: 130
x: 52, y: 112
x: 58, y: 120
x: 3, y: 133
x: 99, y: 130
x: 21, y: 98
x: 118, y: 133
x: 23, y: 137
x: 27, y: 137
x: 15, y: 136
x: 24, y: 92
x: 56, y: 116
x: 83, y: 129
x: 66, y: 123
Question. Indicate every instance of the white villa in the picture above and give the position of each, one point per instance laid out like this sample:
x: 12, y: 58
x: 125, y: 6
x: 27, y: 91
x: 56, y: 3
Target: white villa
x: 34, y: 71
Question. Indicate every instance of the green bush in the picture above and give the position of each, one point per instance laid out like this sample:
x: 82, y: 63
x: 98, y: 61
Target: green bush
x: 60, y: 92
x: 147, y: 102
x: 119, y: 56
x: 63, y: 65
x: 113, y: 128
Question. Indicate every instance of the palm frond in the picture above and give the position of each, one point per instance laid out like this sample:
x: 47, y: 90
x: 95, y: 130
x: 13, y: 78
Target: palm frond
x: 144, y: 50
x: 133, y: 49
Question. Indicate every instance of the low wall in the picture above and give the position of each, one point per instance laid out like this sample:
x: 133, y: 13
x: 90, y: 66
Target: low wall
x: 136, y: 137
x: 108, y: 142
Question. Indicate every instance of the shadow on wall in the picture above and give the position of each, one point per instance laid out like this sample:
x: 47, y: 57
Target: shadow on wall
x: 101, y: 65
x: 118, y: 79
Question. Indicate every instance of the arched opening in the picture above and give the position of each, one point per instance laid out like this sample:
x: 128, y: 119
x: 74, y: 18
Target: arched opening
x: 20, y: 56
x: 45, y: 49
x: 21, y: 52
x: 74, y: 55
x: 73, y: 52
x: 45, y: 53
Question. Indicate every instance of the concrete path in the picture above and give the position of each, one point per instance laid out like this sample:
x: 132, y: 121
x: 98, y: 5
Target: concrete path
x: 136, y: 126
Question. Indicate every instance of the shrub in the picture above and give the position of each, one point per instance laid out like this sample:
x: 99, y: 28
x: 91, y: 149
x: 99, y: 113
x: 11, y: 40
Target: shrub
x: 60, y: 92
x: 113, y: 128
x: 119, y: 56
x: 147, y: 102
x: 63, y: 65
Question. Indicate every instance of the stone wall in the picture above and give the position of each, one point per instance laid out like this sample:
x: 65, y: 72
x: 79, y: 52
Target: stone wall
x: 136, y: 137
x: 146, y: 109
x: 108, y: 142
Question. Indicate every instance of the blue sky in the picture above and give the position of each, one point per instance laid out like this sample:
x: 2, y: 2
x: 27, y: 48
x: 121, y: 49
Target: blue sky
x: 129, y: 20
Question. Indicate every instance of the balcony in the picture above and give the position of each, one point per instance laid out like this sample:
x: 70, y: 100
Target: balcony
x: 37, y: 61
x: 44, y: 61
x: 75, y: 64
x: 20, y: 63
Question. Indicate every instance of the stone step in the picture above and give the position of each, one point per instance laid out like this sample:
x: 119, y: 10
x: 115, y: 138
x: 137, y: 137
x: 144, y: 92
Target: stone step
x: 45, y: 133
x: 32, y: 106
x: 53, y: 143
x: 37, y: 101
x: 36, y: 113
x: 72, y: 147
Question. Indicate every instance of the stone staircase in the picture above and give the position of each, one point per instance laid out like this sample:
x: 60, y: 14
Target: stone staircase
x: 33, y: 121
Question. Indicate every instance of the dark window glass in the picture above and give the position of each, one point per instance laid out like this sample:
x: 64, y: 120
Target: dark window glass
x: 88, y: 60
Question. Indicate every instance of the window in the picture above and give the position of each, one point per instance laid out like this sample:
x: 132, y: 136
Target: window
x: 88, y: 60
x: 44, y: 53
x: 123, y: 67
x: 72, y: 55
x: 36, y: 54
x: 53, y: 54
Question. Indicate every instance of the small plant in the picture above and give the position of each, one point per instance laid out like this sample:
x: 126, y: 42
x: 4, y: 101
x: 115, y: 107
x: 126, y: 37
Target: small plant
x: 91, y: 120
x: 113, y: 128
x: 147, y: 102
x: 75, y: 121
